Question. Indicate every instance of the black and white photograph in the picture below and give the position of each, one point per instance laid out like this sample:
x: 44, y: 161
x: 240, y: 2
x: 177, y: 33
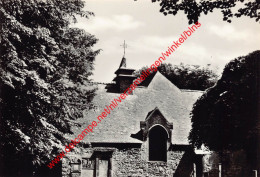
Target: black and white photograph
x: 130, y: 88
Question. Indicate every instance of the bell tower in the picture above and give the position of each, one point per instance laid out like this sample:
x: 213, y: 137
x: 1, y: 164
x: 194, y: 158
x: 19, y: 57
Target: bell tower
x: 124, y: 76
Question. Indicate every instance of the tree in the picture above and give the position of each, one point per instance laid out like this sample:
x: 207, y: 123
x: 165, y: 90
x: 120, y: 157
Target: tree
x: 183, y: 76
x: 44, y: 83
x: 194, y: 8
x: 225, y: 116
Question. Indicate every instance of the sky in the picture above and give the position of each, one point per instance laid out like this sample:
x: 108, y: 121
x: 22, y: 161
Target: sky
x: 148, y: 33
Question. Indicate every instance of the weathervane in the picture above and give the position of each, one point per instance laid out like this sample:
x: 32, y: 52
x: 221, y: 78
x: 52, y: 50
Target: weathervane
x: 124, y: 46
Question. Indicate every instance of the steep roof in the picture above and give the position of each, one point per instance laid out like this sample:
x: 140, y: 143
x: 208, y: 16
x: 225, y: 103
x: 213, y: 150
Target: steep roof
x: 124, y: 120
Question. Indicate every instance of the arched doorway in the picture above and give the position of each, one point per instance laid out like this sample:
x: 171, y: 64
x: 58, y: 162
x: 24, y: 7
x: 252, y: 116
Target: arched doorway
x: 158, y: 144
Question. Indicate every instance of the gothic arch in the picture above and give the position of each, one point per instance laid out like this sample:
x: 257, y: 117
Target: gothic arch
x: 158, y: 137
x: 168, y: 136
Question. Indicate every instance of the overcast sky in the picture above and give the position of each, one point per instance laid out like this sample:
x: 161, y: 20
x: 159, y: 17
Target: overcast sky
x: 148, y: 33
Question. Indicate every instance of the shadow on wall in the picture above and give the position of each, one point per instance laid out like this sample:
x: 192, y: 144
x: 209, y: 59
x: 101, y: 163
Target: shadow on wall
x: 185, y: 167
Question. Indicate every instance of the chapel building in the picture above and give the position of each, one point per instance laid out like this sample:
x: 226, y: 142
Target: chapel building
x: 145, y: 135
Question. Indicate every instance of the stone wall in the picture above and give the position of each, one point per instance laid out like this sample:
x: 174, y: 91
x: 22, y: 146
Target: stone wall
x: 134, y: 162
x: 67, y: 162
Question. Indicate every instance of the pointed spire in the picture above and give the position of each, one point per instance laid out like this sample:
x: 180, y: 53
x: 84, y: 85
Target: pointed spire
x: 123, y: 63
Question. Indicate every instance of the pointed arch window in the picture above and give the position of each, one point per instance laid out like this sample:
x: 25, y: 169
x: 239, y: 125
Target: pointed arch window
x: 158, y: 144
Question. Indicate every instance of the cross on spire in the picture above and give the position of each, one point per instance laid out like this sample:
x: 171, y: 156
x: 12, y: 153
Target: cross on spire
x: 124, y: 46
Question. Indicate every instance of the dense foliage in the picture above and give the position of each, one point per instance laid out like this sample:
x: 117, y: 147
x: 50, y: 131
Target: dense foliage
x: 44, y: 72
x: 225, y: 117
x: 192, y: 77
x: 193, y: 8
